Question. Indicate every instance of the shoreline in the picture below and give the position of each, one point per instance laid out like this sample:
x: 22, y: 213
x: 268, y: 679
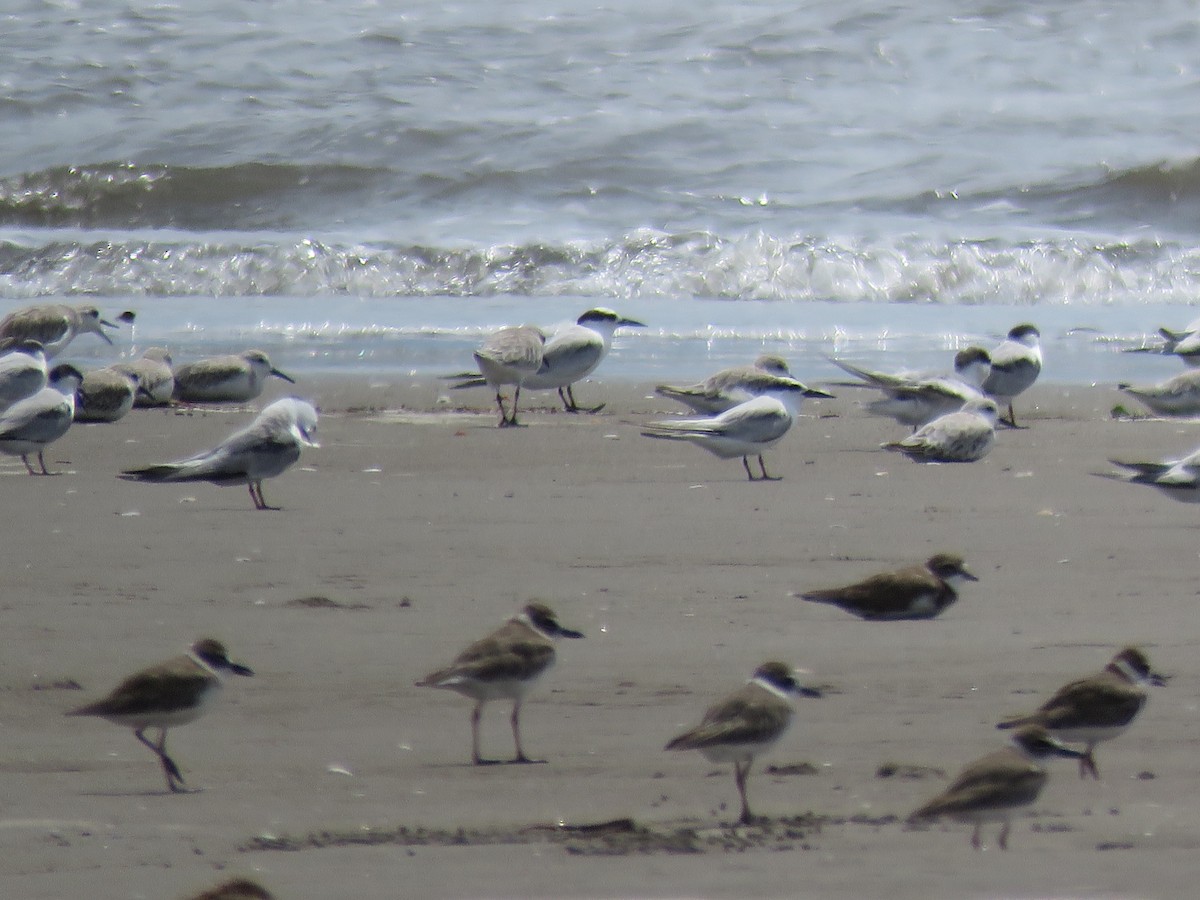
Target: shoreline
x: 414, y: 530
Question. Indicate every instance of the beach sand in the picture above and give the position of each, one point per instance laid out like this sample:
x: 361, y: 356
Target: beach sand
x: 418, y: 527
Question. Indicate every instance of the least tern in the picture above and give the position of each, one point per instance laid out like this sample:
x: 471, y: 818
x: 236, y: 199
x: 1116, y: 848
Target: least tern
x: 1016, y: 364
x: 993, y: 788
x: 916, y: 592
x: 106, y: 395
x: 1097, y: 708
x: 263, y: 449
x: 510, y: 355
x: 728, y: 387
x: 1185, y: 344
x: 32, y: 424
x: 155, y: 377
x: 748, y: 429
x: 916, y: 401
x: 963, y: 436
x: 237, y: 378
x: 166, y: 695
x: 23, y: 370
x: 54, y: 325
x: 504, y: 666
x: 746, y: 724
x: 1177, y: 396
x: 1178, y: 479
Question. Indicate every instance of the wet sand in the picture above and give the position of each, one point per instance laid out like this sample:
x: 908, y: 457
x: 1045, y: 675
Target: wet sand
x: 418, y: 527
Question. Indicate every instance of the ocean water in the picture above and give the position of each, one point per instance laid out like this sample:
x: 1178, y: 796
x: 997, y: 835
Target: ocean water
x: 368, y: 186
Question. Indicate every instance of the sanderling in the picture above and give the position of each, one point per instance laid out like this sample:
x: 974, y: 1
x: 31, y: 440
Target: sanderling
x: 54, y: 325
x: 106, y: 395
x: 507, y: 356
x: 155, y: 377
x: 963, y: 436
x: 237, y: 378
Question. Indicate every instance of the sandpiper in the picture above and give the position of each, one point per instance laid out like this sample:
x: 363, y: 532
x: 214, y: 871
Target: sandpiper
x: 236, y: 889
x: 510, y: 355
x: 171, y: 693
x: 727, y: 388
x: 237, y: 378
x: 746, y: 724
x: 106, y: 395
x: 504, y: 666
x: 1096, y: 708
x: 916, y: 592
x: 1016, y: 364
x: 54, y: 325
x: 32, y: 424
x: 748, y: 429
x: 995, y: 786
x: 963, y: 436
x: 263, y: 449
x: 155, y: 377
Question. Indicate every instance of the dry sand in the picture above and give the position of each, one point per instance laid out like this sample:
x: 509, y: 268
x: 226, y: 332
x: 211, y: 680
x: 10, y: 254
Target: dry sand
x: 410, y: 533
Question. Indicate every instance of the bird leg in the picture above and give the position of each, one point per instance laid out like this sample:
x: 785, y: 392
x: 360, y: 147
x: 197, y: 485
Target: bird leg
x: 42, y: 463
x: 765, y: 477
x: 746, y: 466
x: 1087, y: 765
x: 476, y: 715
x: 174, y: 777
x: 256, y: 494
x: 1003, y: 841
x: 740, y: 773
x: 569, y: 404
x: 977, y: 836
x: 28, y: 467
x: 500, y: 406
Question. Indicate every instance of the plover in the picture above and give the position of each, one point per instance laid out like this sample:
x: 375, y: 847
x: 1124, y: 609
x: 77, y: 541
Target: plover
x: 916, y: 401
x: 32, y: 424
x: 916, y: 592
x: 1178, y: 479
x: 106, y: 395
x: 54, y: 325
x: 23, y: 370
x: 1016, y: 364
x: 171, y: 693
x: 748, y: 429
x: 503, y: 666
x: 746, y: 724
x: 510, y: 355
x: 237, y: 378
x: 155, y: 377
x: 963, y: 436
x: 1096, y: 708
x: 728, y: 387
x: 1177, y: 396
x: 995, y: 786
x: 263, y: 449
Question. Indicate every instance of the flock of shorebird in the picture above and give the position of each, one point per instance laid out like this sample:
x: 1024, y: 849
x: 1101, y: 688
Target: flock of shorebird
x: 738, y: 413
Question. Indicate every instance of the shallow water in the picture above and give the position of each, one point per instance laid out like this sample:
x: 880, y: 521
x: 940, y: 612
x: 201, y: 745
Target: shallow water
x: 364, y: 184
